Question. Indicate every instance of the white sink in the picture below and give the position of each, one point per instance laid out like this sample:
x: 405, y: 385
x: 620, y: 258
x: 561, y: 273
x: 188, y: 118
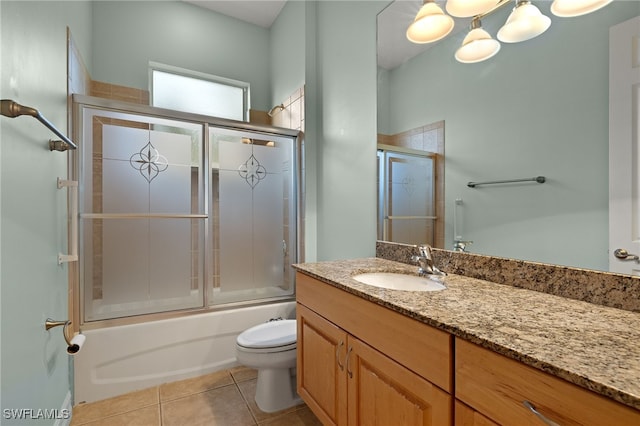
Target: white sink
x: 397, y: 281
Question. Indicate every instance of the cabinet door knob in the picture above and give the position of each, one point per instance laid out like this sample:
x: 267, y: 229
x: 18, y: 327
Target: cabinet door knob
x: 340, y: 345
x: 541, y: 416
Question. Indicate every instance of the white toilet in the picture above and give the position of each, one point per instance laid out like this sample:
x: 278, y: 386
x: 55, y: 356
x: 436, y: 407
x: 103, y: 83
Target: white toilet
x: 271, y: 349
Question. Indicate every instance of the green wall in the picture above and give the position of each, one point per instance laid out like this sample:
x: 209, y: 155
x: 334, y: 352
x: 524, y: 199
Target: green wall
x: 537, y: 108
x: 287, y: 58
x: 345, y: 99
x: 129, y: 34
x: 34, y: 363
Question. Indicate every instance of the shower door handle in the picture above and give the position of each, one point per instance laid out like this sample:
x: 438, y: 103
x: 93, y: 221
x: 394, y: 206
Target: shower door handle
x: 73, y: 221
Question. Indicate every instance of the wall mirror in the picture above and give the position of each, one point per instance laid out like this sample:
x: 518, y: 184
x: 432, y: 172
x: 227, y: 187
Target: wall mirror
x: 537, y: 108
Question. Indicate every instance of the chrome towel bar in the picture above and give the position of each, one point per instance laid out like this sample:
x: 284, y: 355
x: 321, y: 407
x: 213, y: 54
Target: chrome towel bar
x: 539, y: 179
x: 12, y: 109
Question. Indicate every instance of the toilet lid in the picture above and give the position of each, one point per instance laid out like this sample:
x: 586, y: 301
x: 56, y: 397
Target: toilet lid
x: 271, y: 334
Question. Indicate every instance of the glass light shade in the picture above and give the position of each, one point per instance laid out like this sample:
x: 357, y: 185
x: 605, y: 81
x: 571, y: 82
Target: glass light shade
x: 477, y: 46
x: 431, y: 24
x: 468, y: 8
x: 570, y: 8
x: 525, y: 22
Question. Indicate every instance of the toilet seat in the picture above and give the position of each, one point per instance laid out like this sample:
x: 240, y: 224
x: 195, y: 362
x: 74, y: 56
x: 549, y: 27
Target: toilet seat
x: 273, y: 336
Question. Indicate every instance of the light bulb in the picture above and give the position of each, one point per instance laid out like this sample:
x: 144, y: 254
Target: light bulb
x: 570, y: 8
x: 477, y: 46
x: 468, y: 8
x: 431, y: 24
x: 525, y: 22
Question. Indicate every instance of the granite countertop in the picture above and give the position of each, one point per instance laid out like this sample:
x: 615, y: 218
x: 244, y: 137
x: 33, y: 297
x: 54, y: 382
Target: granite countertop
x: 592, y: 346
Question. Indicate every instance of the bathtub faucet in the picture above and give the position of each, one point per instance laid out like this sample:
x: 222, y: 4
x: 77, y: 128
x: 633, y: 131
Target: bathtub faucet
x: 425, y: 260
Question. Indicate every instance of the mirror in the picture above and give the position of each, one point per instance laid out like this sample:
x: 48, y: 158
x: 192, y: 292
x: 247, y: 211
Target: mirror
x: 537, y: 108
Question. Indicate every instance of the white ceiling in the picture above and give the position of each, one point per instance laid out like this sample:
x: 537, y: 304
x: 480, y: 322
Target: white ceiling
x: 257, y: 12
x: 393, y: 46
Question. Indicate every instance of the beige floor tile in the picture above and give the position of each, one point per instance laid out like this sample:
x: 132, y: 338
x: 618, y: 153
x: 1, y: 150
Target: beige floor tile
x: 85, y: 413
x: 169, y: 391
x: 248, y: 389
x: 242, y: 373
x: 148, y: 416
x: 300, y: 417
x: 222, y: 406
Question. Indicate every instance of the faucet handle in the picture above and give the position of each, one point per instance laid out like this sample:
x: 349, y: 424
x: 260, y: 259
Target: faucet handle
x: 459, y: 245
x: 425, y: 251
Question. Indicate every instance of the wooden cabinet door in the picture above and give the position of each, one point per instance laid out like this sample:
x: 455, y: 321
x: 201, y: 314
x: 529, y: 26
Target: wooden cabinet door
x: 321, y: 378
x: 498, y: 387
x: 467, y: 416
x: 383, y: 392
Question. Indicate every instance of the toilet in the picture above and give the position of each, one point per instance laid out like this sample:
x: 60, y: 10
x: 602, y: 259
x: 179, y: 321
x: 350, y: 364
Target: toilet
x: 271, y: 349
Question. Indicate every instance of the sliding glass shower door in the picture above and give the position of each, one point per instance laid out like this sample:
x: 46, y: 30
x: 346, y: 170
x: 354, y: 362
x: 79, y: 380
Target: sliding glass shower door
x: 406, y: 197
x: 254, y: 206
x: 181, y: 214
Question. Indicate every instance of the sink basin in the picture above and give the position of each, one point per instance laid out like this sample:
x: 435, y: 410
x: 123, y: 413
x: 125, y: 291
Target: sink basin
x: 397, y: 281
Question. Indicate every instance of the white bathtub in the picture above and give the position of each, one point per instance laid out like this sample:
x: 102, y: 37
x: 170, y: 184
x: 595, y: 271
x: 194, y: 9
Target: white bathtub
x: 117, y: 360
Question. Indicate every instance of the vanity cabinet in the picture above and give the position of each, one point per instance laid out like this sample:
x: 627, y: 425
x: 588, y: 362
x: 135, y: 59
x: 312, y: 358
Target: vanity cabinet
x: 498, y: 387
x: 368, y: 364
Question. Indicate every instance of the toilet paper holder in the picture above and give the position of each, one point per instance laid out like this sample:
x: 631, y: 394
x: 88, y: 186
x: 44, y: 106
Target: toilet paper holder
x: 74, y: 344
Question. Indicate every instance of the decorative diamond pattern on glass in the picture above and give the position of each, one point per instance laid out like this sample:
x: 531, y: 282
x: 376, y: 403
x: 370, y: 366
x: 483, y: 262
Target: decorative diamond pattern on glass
x: 252, y: 171
x: 149, y: 162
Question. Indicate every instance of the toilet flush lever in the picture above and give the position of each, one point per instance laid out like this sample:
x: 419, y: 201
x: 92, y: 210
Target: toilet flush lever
x: 622, y: 254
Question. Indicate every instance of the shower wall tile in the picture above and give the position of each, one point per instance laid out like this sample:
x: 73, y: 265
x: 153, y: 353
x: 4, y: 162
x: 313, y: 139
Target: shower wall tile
x: 119, y: 93
x: 292, y: 116
x: 78, y: 81
x: 259, y: 117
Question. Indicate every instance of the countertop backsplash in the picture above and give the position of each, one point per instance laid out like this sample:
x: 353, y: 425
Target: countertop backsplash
x: 602, y: 288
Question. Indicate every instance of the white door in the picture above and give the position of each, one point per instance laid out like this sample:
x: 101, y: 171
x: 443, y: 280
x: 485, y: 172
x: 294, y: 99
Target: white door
x: 624, y: 147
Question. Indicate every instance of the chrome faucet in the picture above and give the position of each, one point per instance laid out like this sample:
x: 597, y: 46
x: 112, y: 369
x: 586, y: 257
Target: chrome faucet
x: 425, y: 260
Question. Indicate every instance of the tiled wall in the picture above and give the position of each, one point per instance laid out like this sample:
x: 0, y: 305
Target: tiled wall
x: 428, y: 138
x: 602, y: 288
x: 78, y: 81
x: 292, y: 116
x: 119, y: 93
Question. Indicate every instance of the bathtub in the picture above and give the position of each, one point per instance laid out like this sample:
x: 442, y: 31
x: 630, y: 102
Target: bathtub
x: 121, y: 359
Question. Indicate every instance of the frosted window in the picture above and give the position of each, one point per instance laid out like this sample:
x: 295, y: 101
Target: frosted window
x: 199, y: 96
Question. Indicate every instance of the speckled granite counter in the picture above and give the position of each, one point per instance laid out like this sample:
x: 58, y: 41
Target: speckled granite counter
x: 595, y: 347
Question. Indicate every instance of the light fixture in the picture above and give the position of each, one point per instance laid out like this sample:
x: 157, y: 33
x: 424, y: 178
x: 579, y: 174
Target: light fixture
x: 468, y: 8
x: 431, y: 24
x: 477, y: 46
x: 525, y: 22
x: 570, y: 8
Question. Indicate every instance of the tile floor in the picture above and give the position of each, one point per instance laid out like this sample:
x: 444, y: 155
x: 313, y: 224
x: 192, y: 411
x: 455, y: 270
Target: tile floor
x: 223, y: 398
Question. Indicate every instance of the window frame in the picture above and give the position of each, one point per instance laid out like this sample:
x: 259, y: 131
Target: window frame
x: 170, y: 69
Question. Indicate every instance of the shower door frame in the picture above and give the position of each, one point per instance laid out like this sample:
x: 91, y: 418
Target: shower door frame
x: 383, y: 191
x: 77, y: 292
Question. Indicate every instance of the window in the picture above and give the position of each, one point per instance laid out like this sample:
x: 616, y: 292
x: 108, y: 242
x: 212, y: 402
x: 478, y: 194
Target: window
x: 190, y: 91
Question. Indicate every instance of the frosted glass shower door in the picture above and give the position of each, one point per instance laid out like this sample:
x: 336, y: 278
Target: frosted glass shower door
x: 254, y: 202
x: 406, y: 198
x: 141, y: 211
